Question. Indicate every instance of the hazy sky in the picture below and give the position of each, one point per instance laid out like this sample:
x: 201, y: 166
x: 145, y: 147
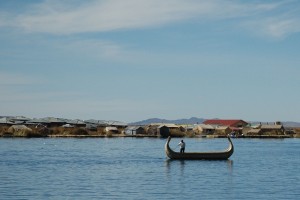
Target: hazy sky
x: 130, y: 60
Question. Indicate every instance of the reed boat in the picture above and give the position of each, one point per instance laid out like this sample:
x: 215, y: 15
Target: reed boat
x: 213, y: 155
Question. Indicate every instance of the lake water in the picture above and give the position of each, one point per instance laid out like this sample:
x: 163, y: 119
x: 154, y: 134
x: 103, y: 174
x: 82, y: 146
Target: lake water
x: 137, y: 168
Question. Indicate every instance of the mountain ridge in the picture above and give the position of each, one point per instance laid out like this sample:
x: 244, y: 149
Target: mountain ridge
x: 196, y: 120
x: 192, y: 120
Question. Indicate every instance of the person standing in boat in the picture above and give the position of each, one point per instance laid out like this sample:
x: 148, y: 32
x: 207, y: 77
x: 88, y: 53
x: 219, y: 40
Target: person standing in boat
x: 182, y: 146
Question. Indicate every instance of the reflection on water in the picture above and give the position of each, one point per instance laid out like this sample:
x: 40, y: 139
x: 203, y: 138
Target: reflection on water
x: 138, y: 169
x: 169, y: 162
x: 180, y: 165
x: 230, y: 165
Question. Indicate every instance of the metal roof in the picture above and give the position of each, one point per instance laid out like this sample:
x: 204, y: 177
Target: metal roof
x: 74, y: 121
x: 133, y: 128
x: 5, y: 120
x: 105, y: 123
x: 97, y: 122
x: 37, y: 120
x: 116, y: 123
x: 19, y: 118
x: 53, y: 120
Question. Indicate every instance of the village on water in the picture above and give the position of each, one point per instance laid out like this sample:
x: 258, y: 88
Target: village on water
x: 20, y: 126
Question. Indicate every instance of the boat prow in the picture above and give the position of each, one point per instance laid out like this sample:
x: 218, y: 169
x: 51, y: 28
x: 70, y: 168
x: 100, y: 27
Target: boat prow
x: 215, y: 155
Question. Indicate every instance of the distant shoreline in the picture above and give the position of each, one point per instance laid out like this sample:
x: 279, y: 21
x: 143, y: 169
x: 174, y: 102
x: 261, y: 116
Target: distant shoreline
x: 153, y: 136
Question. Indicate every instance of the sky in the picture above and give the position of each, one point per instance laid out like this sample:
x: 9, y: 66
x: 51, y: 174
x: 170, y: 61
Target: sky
x: 130, y: 60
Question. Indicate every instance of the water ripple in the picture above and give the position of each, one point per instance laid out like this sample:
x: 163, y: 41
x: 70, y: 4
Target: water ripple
x: 126, y: 168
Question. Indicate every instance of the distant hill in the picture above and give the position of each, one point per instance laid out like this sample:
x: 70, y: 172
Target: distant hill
x: 192, y: 120
x: 291, y: 124
x: 195, y: 120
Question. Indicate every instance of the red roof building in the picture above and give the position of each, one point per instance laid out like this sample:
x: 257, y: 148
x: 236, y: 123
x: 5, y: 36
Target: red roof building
x: 225, y: 122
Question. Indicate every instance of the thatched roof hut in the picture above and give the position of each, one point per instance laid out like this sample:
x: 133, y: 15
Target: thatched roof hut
x: 204, y: 128
x: 134, y: 130
x: 222, y: 130
x: 254, y: 131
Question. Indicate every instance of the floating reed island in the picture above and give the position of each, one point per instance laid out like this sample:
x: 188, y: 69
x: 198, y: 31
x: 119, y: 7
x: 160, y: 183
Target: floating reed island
x: 58, y: 127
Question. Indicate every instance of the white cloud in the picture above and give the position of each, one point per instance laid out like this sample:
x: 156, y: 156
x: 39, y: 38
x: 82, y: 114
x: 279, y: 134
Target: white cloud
x: 280, y: 28
x: 277, y: 28
x: 60, y: 17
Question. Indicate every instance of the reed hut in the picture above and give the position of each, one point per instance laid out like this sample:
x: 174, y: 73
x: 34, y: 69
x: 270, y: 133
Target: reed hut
x: 272, y: 129
x: 205, y: 129
x: 134, y: 130
x: 222, y: 130
x: 254, y: 131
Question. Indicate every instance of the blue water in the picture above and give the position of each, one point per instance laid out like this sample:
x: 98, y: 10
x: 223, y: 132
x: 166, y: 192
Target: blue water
x: 137, y: 168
